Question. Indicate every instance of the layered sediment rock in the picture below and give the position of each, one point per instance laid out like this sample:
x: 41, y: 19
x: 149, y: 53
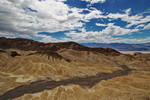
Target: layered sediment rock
x: 65, y: 70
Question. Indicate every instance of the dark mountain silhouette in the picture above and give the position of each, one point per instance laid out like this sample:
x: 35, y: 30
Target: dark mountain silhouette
x: 26, y: 44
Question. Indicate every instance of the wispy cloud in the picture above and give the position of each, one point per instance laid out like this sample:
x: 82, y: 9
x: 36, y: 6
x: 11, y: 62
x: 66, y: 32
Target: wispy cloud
x: 99, y: 24
x: 95, y: 1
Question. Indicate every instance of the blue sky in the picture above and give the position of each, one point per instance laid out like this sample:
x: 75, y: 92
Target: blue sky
x: 83, y: 21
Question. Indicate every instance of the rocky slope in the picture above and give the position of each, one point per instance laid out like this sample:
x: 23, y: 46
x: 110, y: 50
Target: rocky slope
x: 32, y: 70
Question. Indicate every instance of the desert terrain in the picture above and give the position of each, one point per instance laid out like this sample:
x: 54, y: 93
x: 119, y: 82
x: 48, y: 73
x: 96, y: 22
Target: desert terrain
x: 31, y: 70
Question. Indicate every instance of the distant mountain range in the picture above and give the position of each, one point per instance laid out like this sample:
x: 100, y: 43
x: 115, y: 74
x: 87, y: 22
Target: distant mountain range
x: 120, y: 46
x: 105, y: 48
x: 31, y: 45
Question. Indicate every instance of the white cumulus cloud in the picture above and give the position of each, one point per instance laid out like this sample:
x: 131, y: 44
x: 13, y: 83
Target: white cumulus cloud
x: 100, y: 36
x: 33, y: 16
x: 113, y: 30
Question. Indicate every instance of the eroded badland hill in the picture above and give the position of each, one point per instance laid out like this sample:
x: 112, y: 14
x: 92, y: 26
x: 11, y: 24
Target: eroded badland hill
x: 31, y: 70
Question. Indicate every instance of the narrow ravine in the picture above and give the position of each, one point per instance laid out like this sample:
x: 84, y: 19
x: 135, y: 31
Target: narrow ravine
x: 39, y: 86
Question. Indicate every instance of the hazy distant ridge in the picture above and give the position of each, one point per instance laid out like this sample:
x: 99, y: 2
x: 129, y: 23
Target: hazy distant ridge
x: 121, y: 46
